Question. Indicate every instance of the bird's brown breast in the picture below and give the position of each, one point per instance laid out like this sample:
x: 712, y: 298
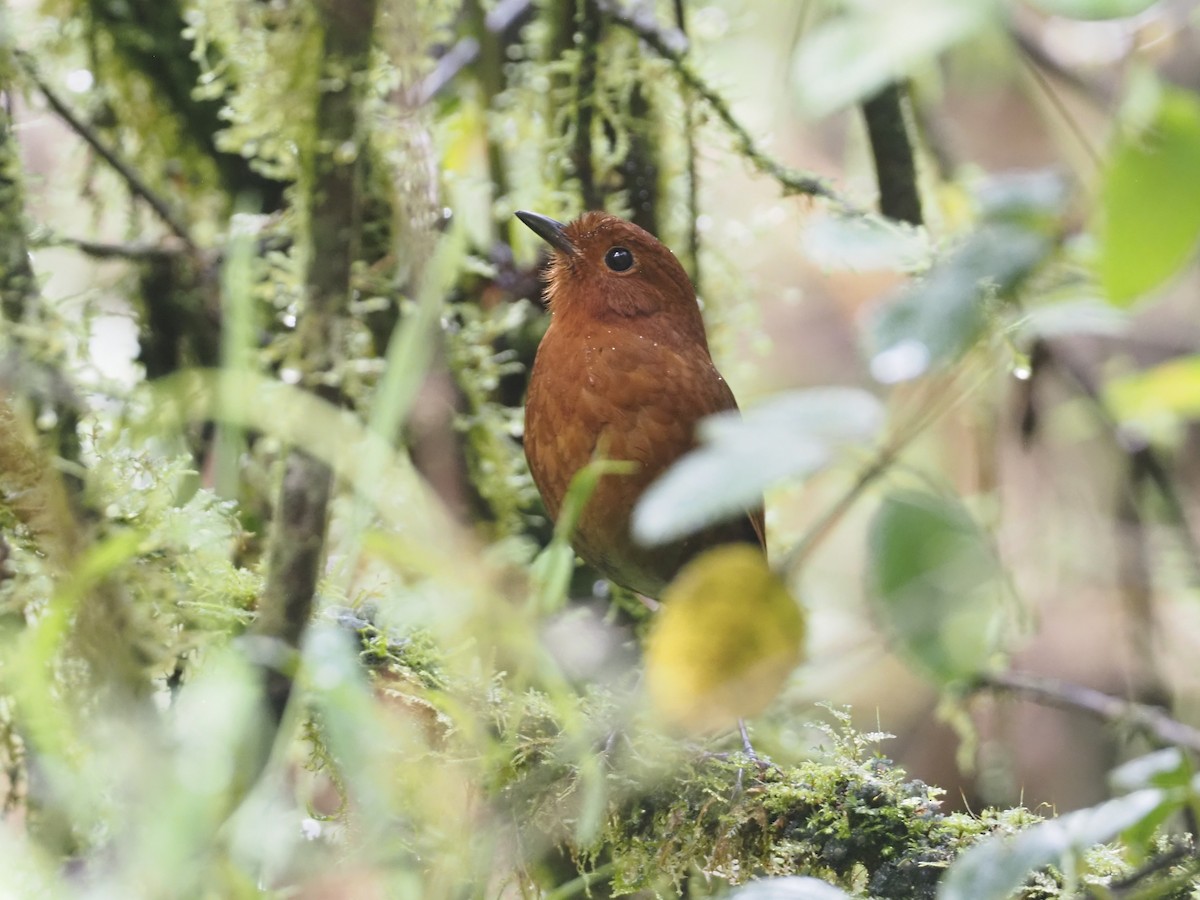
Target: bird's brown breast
x: 626, y: 391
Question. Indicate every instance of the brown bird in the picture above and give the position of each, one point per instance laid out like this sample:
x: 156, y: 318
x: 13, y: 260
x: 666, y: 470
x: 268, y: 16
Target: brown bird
x: 624, y: 370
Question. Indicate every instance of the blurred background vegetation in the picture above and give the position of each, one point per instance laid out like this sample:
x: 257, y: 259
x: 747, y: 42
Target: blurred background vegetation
x: 280, y: 612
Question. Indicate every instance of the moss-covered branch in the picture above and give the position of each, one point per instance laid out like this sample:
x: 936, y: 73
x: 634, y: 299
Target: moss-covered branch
x: 298, y: 533
x: 671, y: 45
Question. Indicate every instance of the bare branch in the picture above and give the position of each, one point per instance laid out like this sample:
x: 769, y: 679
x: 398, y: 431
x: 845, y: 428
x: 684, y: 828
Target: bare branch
x: 1149, y: 720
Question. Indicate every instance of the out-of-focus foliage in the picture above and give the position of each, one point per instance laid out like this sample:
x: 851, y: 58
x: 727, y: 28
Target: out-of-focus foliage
x: 727, y: 637
x: 1150, y: 228
x: 471, y: 714
x: 936, y: 584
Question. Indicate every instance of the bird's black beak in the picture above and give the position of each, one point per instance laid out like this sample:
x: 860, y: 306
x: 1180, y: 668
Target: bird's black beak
x: 550, y: 231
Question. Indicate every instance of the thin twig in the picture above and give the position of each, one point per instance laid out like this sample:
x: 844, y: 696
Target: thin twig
x: 136, y: 184
x: 671, y: 45
x: 106, y: 250
x: 943, y: 403
x: 1149, y: 720
x: 1129, y: 885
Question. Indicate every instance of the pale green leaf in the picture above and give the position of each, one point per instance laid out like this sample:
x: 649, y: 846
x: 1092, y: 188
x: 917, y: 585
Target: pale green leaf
x: 1167, y: 392
x: 792, y: 887
x: 1150, y: 220
x: 790, y: 436
x: 850, y: 57
x: 936, y: 585
x: 1166, y: 768
x: 865, y: 243
x: 939, y: 317
x: 996, y: 867
x: 1094, y: 9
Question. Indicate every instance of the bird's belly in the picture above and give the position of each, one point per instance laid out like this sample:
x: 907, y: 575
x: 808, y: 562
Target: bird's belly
x: 586, y: 421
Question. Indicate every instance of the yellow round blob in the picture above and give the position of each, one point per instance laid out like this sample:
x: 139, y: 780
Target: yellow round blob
x: 727, y: 637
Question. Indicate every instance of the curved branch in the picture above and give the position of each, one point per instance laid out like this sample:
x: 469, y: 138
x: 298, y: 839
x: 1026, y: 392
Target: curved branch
x: 1149, y: 720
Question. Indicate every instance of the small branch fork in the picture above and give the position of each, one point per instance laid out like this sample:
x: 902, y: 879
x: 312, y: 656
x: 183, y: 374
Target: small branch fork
x: 137, y: 185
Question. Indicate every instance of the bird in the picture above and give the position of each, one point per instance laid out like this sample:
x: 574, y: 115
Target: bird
x: 623, y: 371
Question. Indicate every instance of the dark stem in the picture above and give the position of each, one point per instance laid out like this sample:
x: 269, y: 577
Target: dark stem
x: 639, y: 168
x: 693, y: 177
x: 588, y: 26
x: 671, y: 45
x: 895, y: 167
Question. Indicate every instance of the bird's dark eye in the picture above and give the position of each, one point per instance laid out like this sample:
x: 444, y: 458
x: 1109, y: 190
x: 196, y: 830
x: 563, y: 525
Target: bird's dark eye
x: 618, y: 259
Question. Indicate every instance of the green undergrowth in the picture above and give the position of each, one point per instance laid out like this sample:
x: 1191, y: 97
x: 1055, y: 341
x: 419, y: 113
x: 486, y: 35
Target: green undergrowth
x: 636, y: 811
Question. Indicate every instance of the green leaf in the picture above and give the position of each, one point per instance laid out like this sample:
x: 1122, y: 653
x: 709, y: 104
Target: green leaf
x: 1166, y: 768
x: 1094, y: 9
x: 850, y: 57
x: 1150, y: 219
x: 996, y: 867
x: 938, y: 318
x: 1036, y: 196
x: 790, y: 436
x: 792, y: 887
x: 936, y: 585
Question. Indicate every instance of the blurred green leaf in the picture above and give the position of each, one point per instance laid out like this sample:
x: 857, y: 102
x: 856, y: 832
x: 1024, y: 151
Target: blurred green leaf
x: 1149, y: 221
x: 1072, y: 313
x: 996, y: 867
x: 850, y: 57
x: 790, y: 436
x: 1165, y: 393
x: 1094, y: 9
x: 335, y: 436
x: 865, y: 243
x: 1034, y: 197
x: 792, y: 887
x: 939, y: 317
x: 936, y: 584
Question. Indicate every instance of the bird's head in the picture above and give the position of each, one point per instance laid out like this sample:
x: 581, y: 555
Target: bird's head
x: 606, y: 267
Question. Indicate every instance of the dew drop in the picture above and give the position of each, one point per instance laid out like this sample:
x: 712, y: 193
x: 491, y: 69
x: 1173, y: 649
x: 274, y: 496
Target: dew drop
x: 289, y: 376
x: 1022, y: 372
